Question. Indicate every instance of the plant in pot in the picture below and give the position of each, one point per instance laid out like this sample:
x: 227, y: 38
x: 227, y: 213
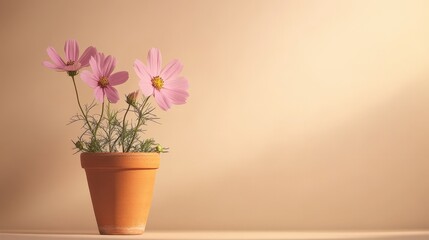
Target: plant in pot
x: 120, y: 164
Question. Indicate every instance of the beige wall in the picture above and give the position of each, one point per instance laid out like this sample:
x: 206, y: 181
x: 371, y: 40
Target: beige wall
x: 303, y: 115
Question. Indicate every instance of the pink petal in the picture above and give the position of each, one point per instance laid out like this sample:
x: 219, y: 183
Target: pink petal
x: 72, y: 50
x: 145, y: 78
x: 56, y: 59
x: 52, y: 66
x: 172, y: 69
x: 89, y: 79
x: 141, y: 70
x: 99, y: 59
x: 112, y: 94
x: 76, y: 66
x: 118, y: 78
x: 162, y: 101
x: 86, y: 56
x: 99, y: 94
x: 154, y: 60
x: 146, y: 87
x: 175, y: 96
x: 108, y: 65
x: 94, y: 66
x: 177, y: 83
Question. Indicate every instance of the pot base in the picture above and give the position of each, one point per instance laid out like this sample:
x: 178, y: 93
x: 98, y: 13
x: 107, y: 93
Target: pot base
x: 115, y: 230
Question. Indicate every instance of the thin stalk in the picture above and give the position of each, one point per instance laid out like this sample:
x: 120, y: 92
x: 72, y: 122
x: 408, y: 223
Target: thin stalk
x: 80, y: 106
x: 99, y: 121
x: 116, y: 140
x: 109, y: 134
x: 123, y: 128
x: 138, y: 123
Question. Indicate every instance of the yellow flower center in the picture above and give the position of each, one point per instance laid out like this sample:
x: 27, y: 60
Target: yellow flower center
x: 69, y: 63
x: 157, y: 82
x: 103, y: 82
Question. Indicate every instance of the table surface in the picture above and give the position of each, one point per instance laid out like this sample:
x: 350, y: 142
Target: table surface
x: 221, y: 235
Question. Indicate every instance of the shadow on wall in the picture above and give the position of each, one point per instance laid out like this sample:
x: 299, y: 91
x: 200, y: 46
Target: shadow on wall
x: 369, y: 173
x: 45, y: 189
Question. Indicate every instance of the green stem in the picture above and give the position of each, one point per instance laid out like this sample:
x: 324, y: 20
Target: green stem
x: 109, y: 134
x: 123, y: 128
x: 80, y: 106
x: 138, y: 124
x: 99, y: 121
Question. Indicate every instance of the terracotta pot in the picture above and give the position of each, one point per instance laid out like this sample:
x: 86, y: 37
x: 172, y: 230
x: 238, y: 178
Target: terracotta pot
x: 121, y: 187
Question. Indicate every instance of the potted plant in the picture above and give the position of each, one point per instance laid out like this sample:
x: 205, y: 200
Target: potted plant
x: 120, y: 164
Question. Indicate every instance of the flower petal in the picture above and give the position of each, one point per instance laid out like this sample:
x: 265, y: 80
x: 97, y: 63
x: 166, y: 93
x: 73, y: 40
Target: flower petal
x: 52, y: 66
x: 72, y: 50
x: 141, y: 70
x: 94, y: 66
x: 99, y: 94
x: 118, y: 78
x: 86, y: 56
x: 162, y: 101
x: 172, y: 69
x: 108, y: 65
x: 146, y: 87
x: 177, y: 83
x: 112, y: 94
x: 76, y: 66
x: 154, y: 60
x: 145, y: 78
x: 89, y: 79
x: 99, y: 59
x: 56, y: 59
x: 176, y: 96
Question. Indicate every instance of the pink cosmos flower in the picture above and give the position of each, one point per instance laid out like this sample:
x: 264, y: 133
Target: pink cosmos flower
x: 101, y: 78
x: 164, y: 84
x: 72, y: 62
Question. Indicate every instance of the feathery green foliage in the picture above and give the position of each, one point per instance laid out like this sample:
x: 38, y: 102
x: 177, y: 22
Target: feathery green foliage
x: 112, y: 131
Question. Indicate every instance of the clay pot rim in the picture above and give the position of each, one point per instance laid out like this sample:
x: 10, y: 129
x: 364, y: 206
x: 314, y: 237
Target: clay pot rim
x: 120, y: 160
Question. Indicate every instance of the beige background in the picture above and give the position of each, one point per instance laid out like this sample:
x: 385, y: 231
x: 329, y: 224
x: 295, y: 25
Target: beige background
x: 303, y: 115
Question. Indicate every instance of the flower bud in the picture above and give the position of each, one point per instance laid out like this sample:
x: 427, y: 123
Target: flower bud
x: 159, y: 148
x: 132, y: 97
x: 79, y: 145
